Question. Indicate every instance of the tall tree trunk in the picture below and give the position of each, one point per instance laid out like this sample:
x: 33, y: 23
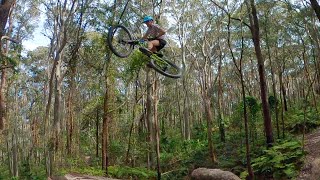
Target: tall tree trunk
x: 248, y: 157
x: 186, y: 111
x: 149, y: 137
x: 209, y: 117
x: 106, y: 123
x: 60, y: 34
x: 220, y: 94
x: 73, y: 70
x: 156, y: 124
x: 282, y: 98
x: 14, y: 154
x: 133, y: 121
x: 284, y: 94
x: 5, y: 8
x: 243, y: 92
x: 57, y: 106
x: 254, y: 22
x: 186, y: 104
x: 97, y: 133
x: 272, y: 77
x: 70, y: 106
x: 14, y: 171
x: 316, y: 7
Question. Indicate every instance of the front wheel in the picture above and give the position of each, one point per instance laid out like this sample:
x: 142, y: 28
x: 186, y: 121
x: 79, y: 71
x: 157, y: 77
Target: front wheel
x: 118, y: 41
x: 165, y: 67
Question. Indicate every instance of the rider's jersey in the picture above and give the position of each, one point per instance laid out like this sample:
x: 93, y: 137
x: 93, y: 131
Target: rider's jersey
x: 153, y: 32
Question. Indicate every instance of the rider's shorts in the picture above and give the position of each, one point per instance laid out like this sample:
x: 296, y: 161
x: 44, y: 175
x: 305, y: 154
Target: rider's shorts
x: 162, y: 43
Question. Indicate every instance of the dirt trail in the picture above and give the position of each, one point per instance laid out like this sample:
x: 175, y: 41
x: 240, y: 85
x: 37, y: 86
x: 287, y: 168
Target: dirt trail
x: 76, y: 176
x: 311, y: 168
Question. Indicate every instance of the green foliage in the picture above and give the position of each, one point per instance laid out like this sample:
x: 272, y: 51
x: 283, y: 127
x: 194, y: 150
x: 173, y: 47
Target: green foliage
x: 118, y: 150
x: 125, y: 172
x: 297, y: 119
x: 252, y: 104
x: 92, y: 171
x: 281, y: 160
x: 273, y: 102
x: 4, y: 172
x: 252, y: 109
x: 178, y: 156
x: 135, y: 63
x: 26, y: 172
x: 12, y: 62
x: 78, y: 165
x: 244, y: 175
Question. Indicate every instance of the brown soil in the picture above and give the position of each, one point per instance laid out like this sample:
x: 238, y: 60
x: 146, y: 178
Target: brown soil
x: 311, y: 168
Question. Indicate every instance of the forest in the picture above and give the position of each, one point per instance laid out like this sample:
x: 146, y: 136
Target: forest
x: 247, y: 98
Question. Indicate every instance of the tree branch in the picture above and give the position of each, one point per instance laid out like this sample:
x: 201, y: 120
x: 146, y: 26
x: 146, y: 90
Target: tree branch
x: 229, y: 14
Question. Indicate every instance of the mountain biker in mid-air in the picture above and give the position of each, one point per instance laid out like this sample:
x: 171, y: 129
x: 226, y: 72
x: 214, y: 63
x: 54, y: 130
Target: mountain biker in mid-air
x: 155, y: 35
x: 121, y: 43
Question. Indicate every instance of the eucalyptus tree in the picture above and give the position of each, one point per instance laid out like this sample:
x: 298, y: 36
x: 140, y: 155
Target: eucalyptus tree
x: 180, y: 12
x: 301, y: 28
x: 109, y: 14
x: 13, y: 15
x: 77, y: 32
x: 36, y: 72
x: 309, y: 36
x: 5, y: 8
x: 197, y: 35
x: 237, y: 56
x: 255, y: 31
x: 60, y: 18
x: 268, y: 20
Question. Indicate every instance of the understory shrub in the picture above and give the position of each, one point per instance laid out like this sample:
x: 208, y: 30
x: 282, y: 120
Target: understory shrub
x: 280, y: 161
x: 297, y: 119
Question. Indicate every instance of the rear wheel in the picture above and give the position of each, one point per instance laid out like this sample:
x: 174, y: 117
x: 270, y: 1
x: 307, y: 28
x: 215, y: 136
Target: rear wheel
x: 165, y: 67
x: 118, y: 38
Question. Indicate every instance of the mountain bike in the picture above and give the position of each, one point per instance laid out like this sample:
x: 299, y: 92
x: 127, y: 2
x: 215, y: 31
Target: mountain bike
x: 122, y: 43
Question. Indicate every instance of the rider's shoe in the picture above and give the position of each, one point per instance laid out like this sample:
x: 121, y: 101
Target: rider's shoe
x: 145, y: 51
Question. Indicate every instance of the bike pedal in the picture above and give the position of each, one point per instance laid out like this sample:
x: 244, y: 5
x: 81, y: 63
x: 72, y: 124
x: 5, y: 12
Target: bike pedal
x: 145, y: 51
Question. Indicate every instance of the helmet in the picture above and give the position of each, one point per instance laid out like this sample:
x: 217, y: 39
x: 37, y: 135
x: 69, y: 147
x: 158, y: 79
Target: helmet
x: 147, y: 18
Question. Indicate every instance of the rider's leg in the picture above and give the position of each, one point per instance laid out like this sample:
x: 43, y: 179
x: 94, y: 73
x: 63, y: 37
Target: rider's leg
x: 152, y: 45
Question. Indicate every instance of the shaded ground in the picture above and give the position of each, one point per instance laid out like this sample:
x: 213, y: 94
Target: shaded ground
x: 311, y: 168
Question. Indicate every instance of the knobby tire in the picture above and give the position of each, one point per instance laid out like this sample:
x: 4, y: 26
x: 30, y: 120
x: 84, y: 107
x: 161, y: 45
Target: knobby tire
x: 167, y: 71
x: 117, y: 35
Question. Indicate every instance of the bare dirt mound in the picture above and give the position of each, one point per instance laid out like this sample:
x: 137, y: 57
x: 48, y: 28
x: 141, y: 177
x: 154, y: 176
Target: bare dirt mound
x: 311, y: 168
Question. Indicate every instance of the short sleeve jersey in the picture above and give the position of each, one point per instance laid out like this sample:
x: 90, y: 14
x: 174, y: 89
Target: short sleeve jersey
x: 153, y: 31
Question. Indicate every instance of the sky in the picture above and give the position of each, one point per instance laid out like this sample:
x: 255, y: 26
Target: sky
x: 38, y: 38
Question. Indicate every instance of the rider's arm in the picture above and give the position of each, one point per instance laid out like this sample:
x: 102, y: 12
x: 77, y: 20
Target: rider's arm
x: 161, y: 32
x: 145, y: 36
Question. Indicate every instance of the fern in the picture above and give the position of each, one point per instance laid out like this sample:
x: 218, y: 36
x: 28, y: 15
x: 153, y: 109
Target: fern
x: 281, y: 160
